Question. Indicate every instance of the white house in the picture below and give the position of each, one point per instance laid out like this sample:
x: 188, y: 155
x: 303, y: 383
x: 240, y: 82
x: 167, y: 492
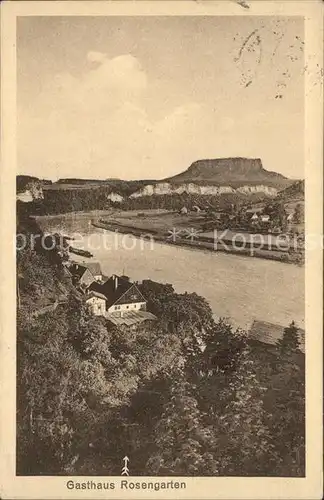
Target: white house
x: 96, y: 303
x: 121, y: 295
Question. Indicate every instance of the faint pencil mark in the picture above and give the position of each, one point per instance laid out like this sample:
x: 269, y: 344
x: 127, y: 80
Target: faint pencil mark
x: 252, y: 45
x: 277, y: 44
x: 246, y: 41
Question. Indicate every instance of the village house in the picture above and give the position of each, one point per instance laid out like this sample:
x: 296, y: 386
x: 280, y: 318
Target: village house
x: 119, y: 300
x: 85, y: 273
x: 95, y: 269
x: 96, y: 303
x: 265, y: 218
x: 81, y: 275
x: 121, y: 295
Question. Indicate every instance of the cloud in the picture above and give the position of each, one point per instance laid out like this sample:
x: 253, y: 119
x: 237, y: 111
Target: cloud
x: 94, y: 56
x: 100, y: 125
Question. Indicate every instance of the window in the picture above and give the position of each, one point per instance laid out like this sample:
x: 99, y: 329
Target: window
x: 127, y: 307
x: 134, y: 306
x: 116, y: 307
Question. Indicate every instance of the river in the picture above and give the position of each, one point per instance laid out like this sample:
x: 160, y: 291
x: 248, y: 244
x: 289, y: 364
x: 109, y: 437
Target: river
x: 236, y: 287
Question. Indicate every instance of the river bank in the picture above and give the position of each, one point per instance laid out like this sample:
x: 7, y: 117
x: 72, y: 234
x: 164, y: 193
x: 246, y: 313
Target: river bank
x: 235, y: 286
x: 200, y: 242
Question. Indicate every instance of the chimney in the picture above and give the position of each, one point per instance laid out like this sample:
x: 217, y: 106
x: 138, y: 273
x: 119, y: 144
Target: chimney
x: 116, y: 282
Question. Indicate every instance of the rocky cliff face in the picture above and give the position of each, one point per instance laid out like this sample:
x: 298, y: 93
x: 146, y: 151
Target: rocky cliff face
x: 164, y: 188
x: 115, y: 197
x: 33, y: 191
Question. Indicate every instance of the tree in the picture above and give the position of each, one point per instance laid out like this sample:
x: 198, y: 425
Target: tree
x: 287, y: 421
x: 290, y: 343
x: 179, y: 435
x: 299, y: 214
x: 244, y: 441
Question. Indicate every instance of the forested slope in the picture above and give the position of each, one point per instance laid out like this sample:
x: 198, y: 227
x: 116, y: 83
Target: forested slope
x: 88, y: 393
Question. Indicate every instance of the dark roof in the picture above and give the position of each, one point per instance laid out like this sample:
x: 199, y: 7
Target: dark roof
x: 109, y: 290
x: 77, y: 270
x: 270, y: 333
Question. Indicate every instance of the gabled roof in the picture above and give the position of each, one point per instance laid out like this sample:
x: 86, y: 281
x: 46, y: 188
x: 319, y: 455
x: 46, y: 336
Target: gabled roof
x: 109, y: 290
x: 270, y: 333
x: 94, y: 268
x: 77, y: 270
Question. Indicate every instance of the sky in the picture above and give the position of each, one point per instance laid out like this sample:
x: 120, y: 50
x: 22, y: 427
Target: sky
x: 144, y: 97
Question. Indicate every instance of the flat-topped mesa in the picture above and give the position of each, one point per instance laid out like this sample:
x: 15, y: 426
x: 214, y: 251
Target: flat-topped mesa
x: 239, y: 166
x: 219, y: 176
x: 231, y: 171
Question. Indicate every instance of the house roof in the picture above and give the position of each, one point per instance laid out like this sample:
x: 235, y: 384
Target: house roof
x: 270, y: 333
x: 109, y: 290
x: 130, y: 318
x: 254, y: 210
x: 93, y: 293
x: 77, y: 270
x: 94, y: 268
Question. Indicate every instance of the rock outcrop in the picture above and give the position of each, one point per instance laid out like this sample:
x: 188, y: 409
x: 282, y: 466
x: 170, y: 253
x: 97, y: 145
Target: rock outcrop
x: 166, y: 188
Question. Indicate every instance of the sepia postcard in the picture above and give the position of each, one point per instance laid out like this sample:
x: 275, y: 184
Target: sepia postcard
x: 161, y: 249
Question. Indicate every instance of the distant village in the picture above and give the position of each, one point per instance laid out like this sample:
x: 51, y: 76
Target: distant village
x: 271, y: 218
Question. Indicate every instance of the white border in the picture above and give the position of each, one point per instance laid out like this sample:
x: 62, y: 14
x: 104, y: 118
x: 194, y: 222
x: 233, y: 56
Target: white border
x: 203, y: 488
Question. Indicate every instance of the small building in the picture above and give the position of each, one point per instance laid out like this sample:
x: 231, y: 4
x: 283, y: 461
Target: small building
x: 184, y: 211
x: 265, y: 218
x: 255, y: 217
x: 263, y: 333
x: 121, y: 295
x: 96, y: 303
x: 95, y: 269
x: 82, y: 277
x: 119, y: 300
